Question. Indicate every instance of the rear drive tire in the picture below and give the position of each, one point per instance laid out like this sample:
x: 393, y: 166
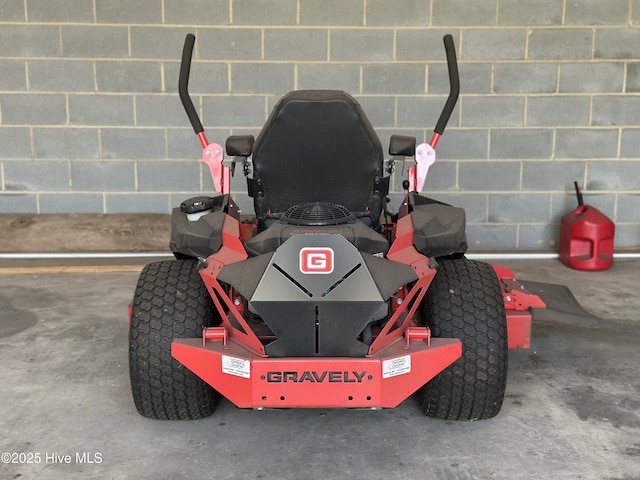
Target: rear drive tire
x: 170, y: 301
x: 465, y: 301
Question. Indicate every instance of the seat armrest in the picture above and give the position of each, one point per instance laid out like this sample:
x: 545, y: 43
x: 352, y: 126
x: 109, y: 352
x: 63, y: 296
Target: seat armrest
x: 239, y: 145
x: 399, y: 145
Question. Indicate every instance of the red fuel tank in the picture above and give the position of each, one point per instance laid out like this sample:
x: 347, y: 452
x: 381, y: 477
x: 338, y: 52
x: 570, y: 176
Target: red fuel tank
x: 586, y: 239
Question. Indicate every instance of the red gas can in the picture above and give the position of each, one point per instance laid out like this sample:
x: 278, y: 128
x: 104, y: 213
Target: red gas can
x: 586, y: 238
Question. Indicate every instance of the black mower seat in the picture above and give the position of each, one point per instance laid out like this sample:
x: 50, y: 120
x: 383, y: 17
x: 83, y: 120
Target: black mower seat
x: 318, y: 146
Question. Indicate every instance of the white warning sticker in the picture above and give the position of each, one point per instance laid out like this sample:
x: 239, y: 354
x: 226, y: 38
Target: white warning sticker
x: 236, y: 366
x: 396, y: 366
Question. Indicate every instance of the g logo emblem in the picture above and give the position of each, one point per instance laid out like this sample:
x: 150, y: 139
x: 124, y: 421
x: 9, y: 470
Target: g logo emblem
x: 316, y: 260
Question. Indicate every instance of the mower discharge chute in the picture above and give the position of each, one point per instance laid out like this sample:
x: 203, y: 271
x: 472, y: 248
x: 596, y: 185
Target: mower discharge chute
x: 328, y: 300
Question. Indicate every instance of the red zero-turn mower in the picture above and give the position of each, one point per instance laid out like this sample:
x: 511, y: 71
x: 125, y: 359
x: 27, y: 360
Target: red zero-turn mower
x: 328, y: 300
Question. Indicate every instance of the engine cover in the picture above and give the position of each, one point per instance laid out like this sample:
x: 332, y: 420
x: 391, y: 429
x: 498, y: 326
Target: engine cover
x: 362, y: 237
x: 317, y: 295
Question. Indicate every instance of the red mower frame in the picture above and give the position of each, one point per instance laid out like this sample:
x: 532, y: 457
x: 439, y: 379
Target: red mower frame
x: 402, y: 358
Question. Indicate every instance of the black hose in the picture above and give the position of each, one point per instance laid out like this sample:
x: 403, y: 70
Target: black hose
x: 183, y: 84
x: 454, y: 82
x: 578, y: 194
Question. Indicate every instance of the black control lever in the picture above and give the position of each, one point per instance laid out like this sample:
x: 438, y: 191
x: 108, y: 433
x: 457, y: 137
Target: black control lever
x: 454, y: 89
x: 183, y: 84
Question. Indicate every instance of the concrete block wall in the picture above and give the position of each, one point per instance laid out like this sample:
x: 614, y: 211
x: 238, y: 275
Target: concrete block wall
x: 90, y: 120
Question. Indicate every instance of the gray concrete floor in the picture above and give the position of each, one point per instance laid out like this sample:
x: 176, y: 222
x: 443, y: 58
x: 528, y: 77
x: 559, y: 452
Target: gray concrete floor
x: 571, y: 409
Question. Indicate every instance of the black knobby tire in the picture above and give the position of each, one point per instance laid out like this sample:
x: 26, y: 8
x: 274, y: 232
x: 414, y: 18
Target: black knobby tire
x: 170, y: 301
x: 465, y: 301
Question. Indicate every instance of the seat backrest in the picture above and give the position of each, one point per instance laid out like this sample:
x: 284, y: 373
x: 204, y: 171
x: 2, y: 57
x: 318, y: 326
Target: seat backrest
x: 317, y: 146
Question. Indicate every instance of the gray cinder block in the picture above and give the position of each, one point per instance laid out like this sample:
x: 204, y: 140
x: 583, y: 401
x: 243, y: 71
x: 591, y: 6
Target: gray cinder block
x: 361, y: 45
x: 126, y: 11
x: 101, y: 109
x: 102, y: 176
x: 83, y: 41
x: 398, y: 12
x: 65, y: 143
x: 33, y: 109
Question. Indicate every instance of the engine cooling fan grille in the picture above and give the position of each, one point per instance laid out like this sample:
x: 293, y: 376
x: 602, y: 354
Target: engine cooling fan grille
x: 318, y: 214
